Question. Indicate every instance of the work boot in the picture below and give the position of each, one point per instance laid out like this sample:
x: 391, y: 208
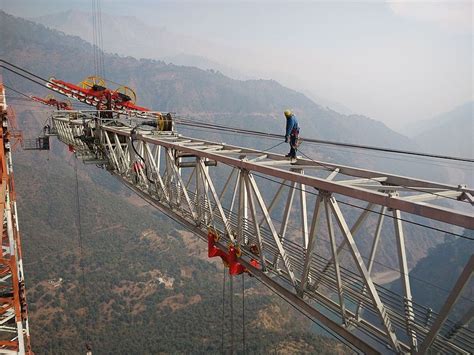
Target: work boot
x: 288, y: 155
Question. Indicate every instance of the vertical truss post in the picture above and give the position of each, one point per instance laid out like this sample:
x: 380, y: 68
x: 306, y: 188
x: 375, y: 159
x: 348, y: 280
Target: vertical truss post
x: 311, y: 245
x: 179, y: 181
x: 255, y: 222
x: 405, y: 279
x: 243, y: 210
x: 168, y: 176
x: 384, y: 317
x: 304, y: 214
x: 157, y: 158
x: 204, y: 194
x: 285, y: 219
x: 154, y: 165
x: 132, y: 155
x: 287, y: 211
x: 234, y: 195
x: 207, y: 202
x: 199, y: 193
x: 178, y: 186
x: 337, y: 271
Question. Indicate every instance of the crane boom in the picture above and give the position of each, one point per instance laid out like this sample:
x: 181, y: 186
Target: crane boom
x: 184, y: 177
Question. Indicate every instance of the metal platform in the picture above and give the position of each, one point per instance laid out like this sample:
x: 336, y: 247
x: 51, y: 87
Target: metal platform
x: 250, y: 197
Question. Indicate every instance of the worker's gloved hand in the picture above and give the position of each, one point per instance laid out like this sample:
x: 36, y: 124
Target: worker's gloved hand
x: 286, y: 139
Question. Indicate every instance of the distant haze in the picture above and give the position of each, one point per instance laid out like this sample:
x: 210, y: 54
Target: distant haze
x: 395, y: 62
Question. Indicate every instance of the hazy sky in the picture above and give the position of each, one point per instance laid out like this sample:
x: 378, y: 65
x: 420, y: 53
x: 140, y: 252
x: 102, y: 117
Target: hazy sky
x: 393, y: 61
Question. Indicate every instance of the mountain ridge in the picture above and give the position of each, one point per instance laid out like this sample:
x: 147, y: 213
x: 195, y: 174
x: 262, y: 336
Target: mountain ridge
x: 151, y: 79
x: 187, y: 50
x: 449, y: 133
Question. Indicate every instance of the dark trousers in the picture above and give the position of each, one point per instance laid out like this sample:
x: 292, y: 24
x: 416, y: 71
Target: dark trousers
x: 293, y: 149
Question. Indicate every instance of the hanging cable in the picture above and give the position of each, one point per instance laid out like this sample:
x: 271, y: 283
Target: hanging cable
x: 18, y: 92
x: 272, y: 147
x: 223, y: 312
x: 132, y: 138
x: 327, y: 167
x: 262, y: 133
x: 23, y: 70
x: 332, y: 168
x: 342, y: 340
x: 231, y: 291
x: 42, y: 84
x: 169, y: 215
x: 33, y: 101
x: 100, y: 40
x: 81, y: 258
x: 94, y: 38
x: 202, y: 124
x: 244, y: 347
x: 416, y: 160
x: 197, y: 123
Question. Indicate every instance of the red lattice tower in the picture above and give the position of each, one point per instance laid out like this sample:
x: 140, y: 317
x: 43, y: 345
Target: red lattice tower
x: 14, y: 331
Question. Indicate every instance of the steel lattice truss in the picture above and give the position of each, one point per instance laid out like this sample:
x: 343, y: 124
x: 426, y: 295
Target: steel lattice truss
x: 14, y: 331
x: 207, y: 184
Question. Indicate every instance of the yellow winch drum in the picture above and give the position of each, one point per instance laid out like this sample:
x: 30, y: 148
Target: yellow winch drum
x: 164, y: 122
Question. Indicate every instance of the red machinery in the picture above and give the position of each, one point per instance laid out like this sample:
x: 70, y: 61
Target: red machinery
x: 92, y: 91
x: 231, y: 258
x: 50, y: 100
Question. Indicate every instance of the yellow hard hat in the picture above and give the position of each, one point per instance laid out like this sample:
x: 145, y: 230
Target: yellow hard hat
x: 288, y: 113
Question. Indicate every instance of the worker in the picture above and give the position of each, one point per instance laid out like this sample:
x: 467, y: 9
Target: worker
x: 47, y: 129
x: 292, y: 133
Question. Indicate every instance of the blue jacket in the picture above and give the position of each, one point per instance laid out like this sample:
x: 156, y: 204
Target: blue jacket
x: 292, y: 127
